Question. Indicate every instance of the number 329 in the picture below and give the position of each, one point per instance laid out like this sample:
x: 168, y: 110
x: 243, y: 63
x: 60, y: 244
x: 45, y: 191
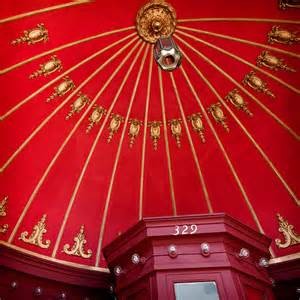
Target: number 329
x: 185, y: 229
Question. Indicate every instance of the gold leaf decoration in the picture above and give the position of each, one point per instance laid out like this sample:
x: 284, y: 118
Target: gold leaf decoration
x: 218, y: 114
x: 238, y: 101
x: 155, y: 132
x: 253, y: 81
x: 95, y: 117
x: 272, y: 62
x: 134, y: 129
x: 176, y: 130
x: 78, y: 246
x: 197, y: 124
x: 33, y: 36
x: 282, y: 36
x: 78, y: 105
x: 64, y: 87
x: 47, y: 68
x: 3, y: 228
x: 290, y: 236
x: 114, y: 125
x: 36, y: 237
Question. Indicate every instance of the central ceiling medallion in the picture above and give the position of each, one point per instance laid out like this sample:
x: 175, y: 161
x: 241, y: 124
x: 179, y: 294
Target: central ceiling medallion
x: 156, y: 19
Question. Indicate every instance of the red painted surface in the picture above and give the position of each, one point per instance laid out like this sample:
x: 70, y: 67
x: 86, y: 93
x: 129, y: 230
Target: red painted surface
x: 235, y: 278
x: 266, y: 193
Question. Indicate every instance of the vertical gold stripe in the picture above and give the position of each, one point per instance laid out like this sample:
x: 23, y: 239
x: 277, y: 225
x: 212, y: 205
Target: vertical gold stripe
x: 83, y: 171
x: 44, y: 87
x: 201, y: 178
x: 224, y: 152
x: 289, y: 86
x: 141, y: 197
x: 43, y: 10
x: 39, y: 128
x: 249, y: 136
x: 266, y: 109
x: 239, y: 40
x: 163, y: 110
x: 256, y: 20
x: 44, y: 176
x: 108, y: 198
x: 77, y: 42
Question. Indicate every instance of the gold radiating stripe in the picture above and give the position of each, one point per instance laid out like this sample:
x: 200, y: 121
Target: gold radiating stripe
x: 83, y: 171
x: 44, y: 87
x: 77, y: 42
x: 141, y: 197
x: 266, y: 109
x: 112, y: 179
x: 292, y: 88
x: 249, y: 136
x: 44, y: 176
x: 227, y: 159
x: 256, y: 20
x: 281, y: 259
x: 51, y: 259
x: 163, y: 110
x: 201, y: 178
x: 39, y: 128
x: 243, y: 41
x: 43, y: 10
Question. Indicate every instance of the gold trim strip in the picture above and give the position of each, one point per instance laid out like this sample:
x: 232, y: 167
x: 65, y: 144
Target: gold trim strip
x: 243, y: 41
x: 227, y: 159
x: 285, y: 258
x: 83, y: 171
x: 256, y: 145
x: 201, y: 178
x: 43, y: 10
x: 67, y: 72
x: 163, y: 110
x: 39, y: 128
x: 145, y: 137
x: 292, y: 88
x: 257, y: 20
x: 55, y: 260
x: 111, y: 183
x: 42, y: 179
x: 266, y: 109
x: 77, y: 42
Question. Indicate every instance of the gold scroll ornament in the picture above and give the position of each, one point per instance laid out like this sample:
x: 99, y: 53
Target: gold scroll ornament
x: 256, y: 83
x: 3, y: 228
x: 47, y: 68
x: 155, y: 132
x: 114, y: 125
x: 197, y: 124
x: 78, y: 105
x: 218, y: 114
x: 272, y: 62
x: 64, y: 87
x: 290, y: 236
x: 238, y: 101
x: 176, y: 130
x: 282, y: 36
x: 95, y: 117
x: 134, y: 129
x: 78, y: 246
x: 36, y: 237
x: 33, y: 36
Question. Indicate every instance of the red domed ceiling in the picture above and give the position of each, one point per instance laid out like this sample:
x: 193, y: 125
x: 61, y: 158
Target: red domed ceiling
x: 146, y: 152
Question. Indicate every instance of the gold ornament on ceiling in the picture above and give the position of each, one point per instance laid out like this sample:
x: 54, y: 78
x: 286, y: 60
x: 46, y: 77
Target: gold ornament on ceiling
x: 47, y: 68
x: 95, y: 117
x: 290, y: 236
x: 156, y: 19
x: 155, y: 132
x: 176, y: 130
x: 284, y: 4
x: 282, y: 36
x: 218, y: 114
x: 78, y: 105
x: 36, y: 237
x: 78, y: 246
x: 33, y: 36
x: 114, y: 125
x: 64, y: 87
x: 197, y: 124
x: 272, y: 62
x: 238, y: 101
x: 134, y: 129
x: 3, y: 228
